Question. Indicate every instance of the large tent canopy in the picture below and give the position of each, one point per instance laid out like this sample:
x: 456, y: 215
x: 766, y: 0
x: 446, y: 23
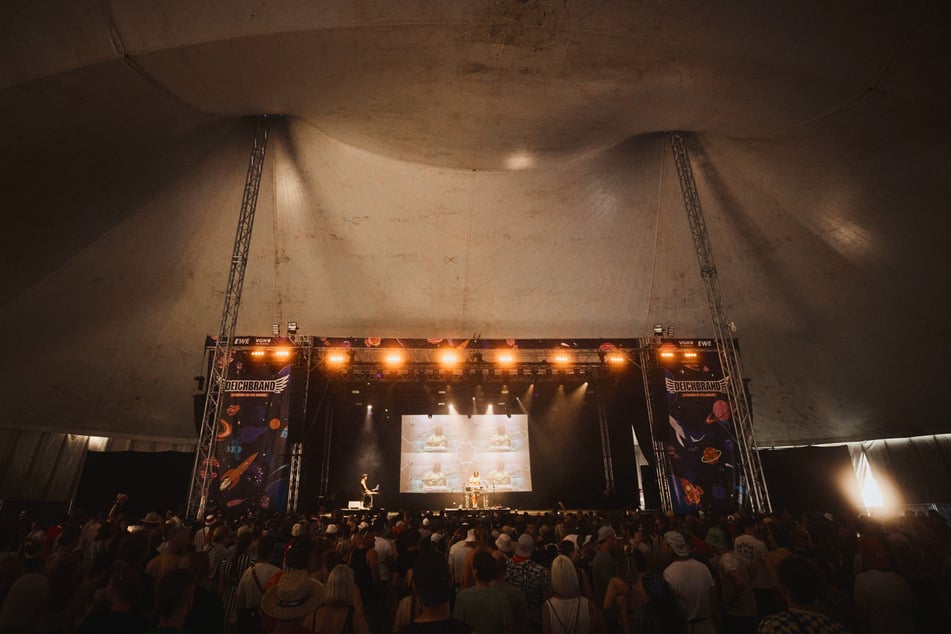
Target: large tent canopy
x: 493, y: 167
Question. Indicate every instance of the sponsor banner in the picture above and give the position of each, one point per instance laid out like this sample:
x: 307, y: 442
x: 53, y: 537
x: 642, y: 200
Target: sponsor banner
x: 252, y: 453
x: 699, y: 439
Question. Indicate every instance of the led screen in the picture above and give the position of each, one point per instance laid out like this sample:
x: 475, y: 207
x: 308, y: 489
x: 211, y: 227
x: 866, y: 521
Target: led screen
x: 439, y: 454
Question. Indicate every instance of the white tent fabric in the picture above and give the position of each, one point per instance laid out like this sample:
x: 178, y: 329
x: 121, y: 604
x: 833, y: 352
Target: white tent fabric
x: 494, y: 167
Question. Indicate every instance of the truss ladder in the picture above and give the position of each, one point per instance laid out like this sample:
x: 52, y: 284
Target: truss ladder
x: 205, y: 470
x: 724, y: 330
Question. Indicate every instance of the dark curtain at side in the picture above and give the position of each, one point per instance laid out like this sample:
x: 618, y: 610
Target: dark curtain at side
x: 917, y: 469
x: 154, y: 481
x: 810, y: 478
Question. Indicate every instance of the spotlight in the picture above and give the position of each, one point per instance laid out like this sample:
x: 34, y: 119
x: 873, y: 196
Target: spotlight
x: 257, y: 353
x: 449, y: 358
x: 658, y: 330
x: 282, y: 353
x: 276, y: 330
x: 505, y: 359
x: 393, y: 358
x: 615, y: 359
x: 337, y: 358
x: 690, y: 354
x: 292, y: 327
x: 561, y: 358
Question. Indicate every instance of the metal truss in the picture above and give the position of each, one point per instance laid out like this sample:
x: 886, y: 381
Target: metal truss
x: 724, y: 330
x: 606, y: 449
x: 293, y: 488
x: 648, y: 360
x: 204, y: 469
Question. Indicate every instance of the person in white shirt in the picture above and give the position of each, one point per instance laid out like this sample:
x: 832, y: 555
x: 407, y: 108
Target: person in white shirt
x: 692, y: 582
x: 252, y: 584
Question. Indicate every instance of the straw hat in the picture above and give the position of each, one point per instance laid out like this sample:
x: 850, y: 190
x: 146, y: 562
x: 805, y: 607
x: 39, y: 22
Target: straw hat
x: 294, y: 596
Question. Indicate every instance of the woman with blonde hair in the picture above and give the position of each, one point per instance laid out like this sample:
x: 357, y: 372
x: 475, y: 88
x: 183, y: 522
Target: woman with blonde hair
x: 568, y: 612
x: 342, y: 611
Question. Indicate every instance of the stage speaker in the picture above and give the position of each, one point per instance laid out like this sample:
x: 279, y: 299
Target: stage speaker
x: 298, y: 404
x: 649, y: 484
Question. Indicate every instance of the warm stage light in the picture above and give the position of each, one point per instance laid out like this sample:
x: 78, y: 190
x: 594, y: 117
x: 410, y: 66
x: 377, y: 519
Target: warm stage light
x: 667, y: 354
x: 257, y: 353
x: 561, y: 358
x: 449, y: 358
x: 615, y: 359
x: 505, y: 358
x: 337, y: 358
x: 393, y: 358
x: 282, y: 353
x: 689, y: 354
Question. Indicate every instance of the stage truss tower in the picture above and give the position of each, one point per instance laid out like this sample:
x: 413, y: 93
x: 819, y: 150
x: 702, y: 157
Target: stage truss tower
x: 204, y: 468
x: 724, y: 330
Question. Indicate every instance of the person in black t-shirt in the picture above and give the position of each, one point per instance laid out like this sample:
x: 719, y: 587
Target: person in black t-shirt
x: 433, y: 586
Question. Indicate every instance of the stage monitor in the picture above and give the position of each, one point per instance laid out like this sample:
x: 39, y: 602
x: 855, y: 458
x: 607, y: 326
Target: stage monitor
x: 439, y: 453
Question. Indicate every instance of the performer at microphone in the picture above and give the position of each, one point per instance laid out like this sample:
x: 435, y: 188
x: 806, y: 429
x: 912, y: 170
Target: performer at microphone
x: 474, y: 485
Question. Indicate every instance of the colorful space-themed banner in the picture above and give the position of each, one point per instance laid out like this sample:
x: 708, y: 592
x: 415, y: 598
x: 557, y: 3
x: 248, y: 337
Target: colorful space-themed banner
x: 252, y: 451
x: 699, y: 438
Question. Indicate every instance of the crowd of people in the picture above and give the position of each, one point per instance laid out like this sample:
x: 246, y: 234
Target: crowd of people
x: 488, y: 572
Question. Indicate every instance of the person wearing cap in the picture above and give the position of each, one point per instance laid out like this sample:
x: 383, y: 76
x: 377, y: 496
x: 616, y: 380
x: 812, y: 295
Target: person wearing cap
x: 202, y: 541
x: 603, y: 567
x: 505, y: 545
x: 529, y: 577
x: 458, y: 555
x: 692, y: 582
x: 289, y: 602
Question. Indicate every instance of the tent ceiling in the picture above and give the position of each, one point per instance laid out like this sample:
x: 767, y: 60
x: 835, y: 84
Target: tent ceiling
x: 451, y: 168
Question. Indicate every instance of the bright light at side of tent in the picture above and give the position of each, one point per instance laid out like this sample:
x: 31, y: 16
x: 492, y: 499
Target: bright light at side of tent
x: 282, y: 353
x: 257, y: 354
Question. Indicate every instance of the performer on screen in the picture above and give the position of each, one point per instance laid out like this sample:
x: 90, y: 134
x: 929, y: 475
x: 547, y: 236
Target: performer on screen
x: 474, y: 486
x: 500, y: 441
x: 435, y: 477
x: 437, y: 441
x: 499, y: 476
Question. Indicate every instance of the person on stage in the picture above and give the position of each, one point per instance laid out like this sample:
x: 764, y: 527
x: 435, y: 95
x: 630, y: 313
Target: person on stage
x: 474, y: 487
x: 367, y: 493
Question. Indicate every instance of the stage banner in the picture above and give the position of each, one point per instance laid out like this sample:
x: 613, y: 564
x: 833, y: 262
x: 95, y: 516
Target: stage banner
x: 699, y: 438
x: 252, y: 451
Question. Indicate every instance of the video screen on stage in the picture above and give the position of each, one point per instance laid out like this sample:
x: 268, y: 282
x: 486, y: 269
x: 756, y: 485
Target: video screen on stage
x: 440, y: 453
